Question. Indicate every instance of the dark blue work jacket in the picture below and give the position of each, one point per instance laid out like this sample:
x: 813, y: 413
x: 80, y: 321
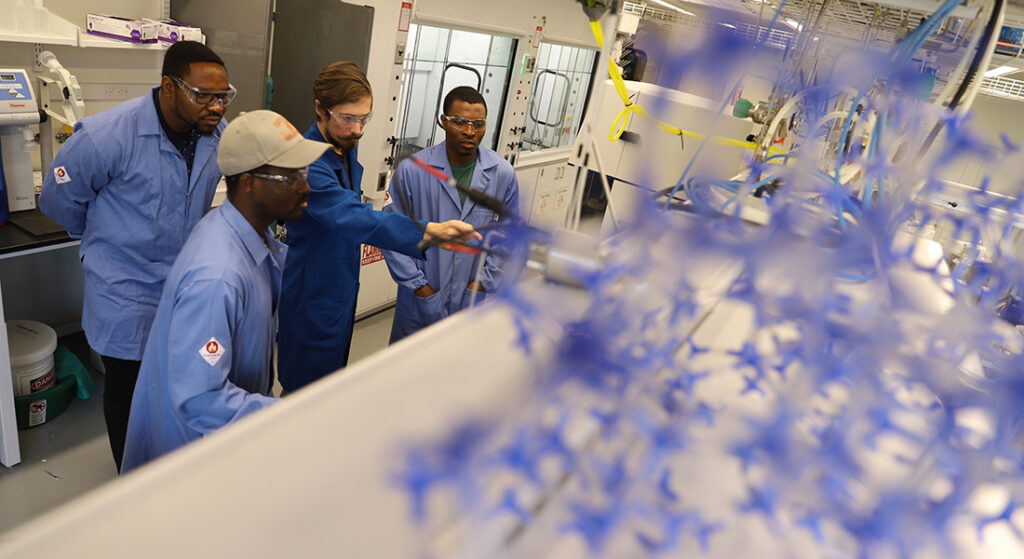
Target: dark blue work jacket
x: 321, y: 275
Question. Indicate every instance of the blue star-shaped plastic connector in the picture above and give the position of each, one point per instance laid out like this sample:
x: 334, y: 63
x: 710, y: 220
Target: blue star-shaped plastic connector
x: 672, y: 528
x: 420, y: 476
x: 705, y: 413
x: 761, y: 500
x: 521, y: 454
x: 749, y: 356
x: 594, y: 523
x: 685, y: 382
x: 510, y: 502
x: 812, y: 522
x: 750, y: 385
x: 665, y: 487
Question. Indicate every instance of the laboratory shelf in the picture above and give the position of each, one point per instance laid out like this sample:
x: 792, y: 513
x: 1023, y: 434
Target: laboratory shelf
x: 40, y: 38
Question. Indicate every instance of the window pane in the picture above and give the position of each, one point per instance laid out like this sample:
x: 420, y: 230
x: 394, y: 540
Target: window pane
x: 501, y: 51
x: 469, y: 48
x: 558, y: 96
x: 432, y: 43
x: 543, y: 53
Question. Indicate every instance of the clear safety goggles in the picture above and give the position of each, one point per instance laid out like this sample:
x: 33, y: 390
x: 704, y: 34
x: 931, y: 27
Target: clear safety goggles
x: 290, y: 181
x: 348, y: 120
x: 205, y: 96
x: 462, y: 123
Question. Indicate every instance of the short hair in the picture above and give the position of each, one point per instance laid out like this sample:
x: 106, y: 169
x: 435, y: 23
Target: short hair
x: 232, y: 181
x: 465, y: 94
x: 341, y: 82
x: 181, y: 55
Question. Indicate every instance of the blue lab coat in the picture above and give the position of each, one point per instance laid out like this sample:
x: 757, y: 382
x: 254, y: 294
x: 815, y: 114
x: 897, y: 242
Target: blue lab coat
x: 321, y: 275
x: 122, y: 187
x: 447, y: 272
x: 221, y: 290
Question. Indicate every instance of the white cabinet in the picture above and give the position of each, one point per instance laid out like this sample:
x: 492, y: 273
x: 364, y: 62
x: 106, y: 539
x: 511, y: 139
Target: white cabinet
x: 545, y: 184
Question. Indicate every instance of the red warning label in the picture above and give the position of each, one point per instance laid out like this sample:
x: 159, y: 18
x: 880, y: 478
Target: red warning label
x: 405, y: 16
x: 371, y: 254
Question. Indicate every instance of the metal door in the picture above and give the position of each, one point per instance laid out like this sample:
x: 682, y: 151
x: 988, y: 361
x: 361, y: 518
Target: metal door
x: 439, y: 60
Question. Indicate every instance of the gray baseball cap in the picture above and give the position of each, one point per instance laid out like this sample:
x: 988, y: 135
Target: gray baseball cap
x: 258, y: 138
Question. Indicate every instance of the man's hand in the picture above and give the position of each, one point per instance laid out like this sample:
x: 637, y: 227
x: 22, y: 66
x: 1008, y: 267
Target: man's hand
x: 453, y: 230
x: 424, y: 292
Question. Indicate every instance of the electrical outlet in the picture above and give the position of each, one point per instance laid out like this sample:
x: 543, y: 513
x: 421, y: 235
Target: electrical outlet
x: 116, y: 91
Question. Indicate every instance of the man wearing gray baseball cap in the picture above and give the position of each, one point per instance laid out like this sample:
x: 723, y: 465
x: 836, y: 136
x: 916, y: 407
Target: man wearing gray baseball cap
x: 208, y: 358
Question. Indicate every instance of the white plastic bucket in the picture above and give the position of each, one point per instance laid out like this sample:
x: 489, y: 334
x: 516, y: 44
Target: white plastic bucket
x: 32, y: 345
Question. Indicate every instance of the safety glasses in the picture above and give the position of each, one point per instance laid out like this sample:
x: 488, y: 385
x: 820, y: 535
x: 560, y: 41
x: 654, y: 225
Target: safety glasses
x: 462, y: 123
x: 204, y: 96
x: 290, y: 181
x: 348, y: 120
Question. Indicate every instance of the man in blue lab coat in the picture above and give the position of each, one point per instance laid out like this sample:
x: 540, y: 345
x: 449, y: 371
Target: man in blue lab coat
x: 132, y: 182
x: 209, y: 359
x: 321, y: 276
x: 432, y: 289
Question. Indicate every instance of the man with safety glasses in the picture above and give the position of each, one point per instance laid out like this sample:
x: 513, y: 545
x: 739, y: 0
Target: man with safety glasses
x: 132, y: 182
x: 446, y: 282
x: 208, y: 360
x: 321, y: 275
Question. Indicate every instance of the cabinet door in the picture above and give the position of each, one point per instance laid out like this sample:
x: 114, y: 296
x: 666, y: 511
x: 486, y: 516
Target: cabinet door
x: 239, y: 32
x: 309, y: 35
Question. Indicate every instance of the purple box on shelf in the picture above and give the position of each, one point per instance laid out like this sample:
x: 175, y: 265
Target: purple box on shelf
x: 170, y: 31
x: 120, y: 28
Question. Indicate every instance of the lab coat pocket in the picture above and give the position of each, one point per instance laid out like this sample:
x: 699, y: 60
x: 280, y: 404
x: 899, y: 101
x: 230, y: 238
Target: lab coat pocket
x: 326, y: 324
x: 478, y: 217
x: 429, y: 308
x: 467, y: 296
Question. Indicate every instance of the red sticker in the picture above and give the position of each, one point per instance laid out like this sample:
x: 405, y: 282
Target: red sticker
x: 405, y: 17
x: 211, y: 351
x: 371, y: 254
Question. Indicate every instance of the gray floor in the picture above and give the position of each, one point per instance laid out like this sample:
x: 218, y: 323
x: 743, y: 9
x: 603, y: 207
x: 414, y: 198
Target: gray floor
x: 69, y: 455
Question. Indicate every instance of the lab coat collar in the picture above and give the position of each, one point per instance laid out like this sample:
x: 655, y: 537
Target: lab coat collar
x: 206, y: 147
x: 149, y: 123
x: 252, y: 241
x: 314, y: 134
x: 437, y: 156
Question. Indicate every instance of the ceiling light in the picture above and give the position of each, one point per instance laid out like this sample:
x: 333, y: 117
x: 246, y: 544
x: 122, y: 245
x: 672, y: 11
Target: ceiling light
x: 729, y: 25
x: 793, y: 23
x: 1000, y: 71
x: 671, y: 7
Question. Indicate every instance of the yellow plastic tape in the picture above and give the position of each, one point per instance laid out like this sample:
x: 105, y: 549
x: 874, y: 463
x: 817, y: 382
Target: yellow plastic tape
x: 620, y: 122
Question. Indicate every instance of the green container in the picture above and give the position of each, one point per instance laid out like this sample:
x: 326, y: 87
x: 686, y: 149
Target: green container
x: 36, y: 409
x: 741, y: 109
